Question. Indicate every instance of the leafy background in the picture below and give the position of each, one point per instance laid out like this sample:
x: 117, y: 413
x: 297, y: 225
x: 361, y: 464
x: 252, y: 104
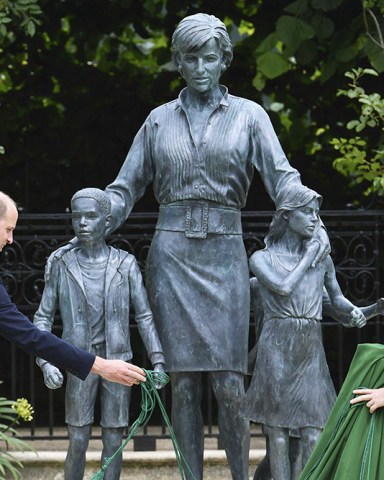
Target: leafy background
x: 78, y: 77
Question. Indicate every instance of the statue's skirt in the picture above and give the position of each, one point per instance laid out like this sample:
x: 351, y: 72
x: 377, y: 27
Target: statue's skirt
x: 198, y: 289
x: 350, y: 447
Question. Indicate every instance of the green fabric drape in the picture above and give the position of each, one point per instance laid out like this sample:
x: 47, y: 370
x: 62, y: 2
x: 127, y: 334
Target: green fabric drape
x: 350, y: 445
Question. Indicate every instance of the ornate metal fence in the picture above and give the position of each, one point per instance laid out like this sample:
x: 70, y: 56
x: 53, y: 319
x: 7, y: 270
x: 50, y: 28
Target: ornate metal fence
x: 356, y: 238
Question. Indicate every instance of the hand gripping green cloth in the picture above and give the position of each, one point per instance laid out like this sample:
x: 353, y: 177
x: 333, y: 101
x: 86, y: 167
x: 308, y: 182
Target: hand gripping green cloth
x: 353, y: 439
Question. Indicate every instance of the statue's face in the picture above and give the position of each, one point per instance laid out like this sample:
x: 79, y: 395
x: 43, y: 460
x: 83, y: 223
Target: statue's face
x: 202, y: 69
x: 88, y: 220
x: 304, y: 219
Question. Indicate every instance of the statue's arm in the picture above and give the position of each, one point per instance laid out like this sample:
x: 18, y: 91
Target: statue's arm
x: 43, y: 319
x: 143, y: 316
x: 330, y: 311
x: 338, y: 301
x: 268, y: 156
x: 45, y: 314
x: 373, y: 310
x: 275, y: 170
x: 134, y: 176
x: 263, y: 269
x: 344, y: 316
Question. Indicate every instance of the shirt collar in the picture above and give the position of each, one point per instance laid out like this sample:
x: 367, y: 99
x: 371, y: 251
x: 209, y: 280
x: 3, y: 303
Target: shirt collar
x: 223, y: 102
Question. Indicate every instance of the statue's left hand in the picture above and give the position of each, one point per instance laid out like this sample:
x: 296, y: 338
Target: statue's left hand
x: 322, y: 238
x: 53, y: 378
x: 159, y: 367
x: 358, y: 318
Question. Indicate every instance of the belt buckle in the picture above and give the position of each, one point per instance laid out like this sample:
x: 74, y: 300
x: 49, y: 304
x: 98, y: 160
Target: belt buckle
x: 196, y: 221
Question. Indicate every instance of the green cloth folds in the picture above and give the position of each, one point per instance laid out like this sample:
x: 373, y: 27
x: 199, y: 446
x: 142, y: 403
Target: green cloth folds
x: 351, y: 442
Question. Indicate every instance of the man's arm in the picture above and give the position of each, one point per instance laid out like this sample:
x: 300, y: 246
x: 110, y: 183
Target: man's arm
x: 18, y: 329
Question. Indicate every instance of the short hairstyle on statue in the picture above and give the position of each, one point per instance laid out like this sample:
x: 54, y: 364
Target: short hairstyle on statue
x: 195, y: 30
x: 99, y: 195
x: 4, y: 200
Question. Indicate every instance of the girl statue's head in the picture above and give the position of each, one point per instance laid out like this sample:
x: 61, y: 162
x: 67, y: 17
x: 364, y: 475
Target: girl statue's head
x: 288, y: 199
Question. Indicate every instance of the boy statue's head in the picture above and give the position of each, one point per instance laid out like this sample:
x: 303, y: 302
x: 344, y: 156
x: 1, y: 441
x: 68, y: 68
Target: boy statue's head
x: 99, y: 195
x: 91, y: 214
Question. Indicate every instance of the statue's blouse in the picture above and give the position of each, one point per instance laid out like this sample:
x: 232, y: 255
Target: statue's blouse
x: 238, y: 138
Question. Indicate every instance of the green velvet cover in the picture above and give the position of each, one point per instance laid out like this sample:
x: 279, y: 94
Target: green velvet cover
x: 350, y: 445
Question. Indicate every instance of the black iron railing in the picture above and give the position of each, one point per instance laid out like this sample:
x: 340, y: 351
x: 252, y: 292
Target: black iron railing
x: 356, y: 238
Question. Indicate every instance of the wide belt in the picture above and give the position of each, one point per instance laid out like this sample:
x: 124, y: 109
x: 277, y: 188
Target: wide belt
x: 197, y: 219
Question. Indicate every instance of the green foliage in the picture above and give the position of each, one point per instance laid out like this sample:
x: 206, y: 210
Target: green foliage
x: 73, y: 95
x: 10, y: 413
x: 19, y: 14
x: 309, y: 26
x: 14, y: 15
x: 360, y: 160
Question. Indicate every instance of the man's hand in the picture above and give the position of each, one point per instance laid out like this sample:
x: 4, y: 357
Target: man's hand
x: 324, y: 246
x: 118, y: 371
x: 53, y: 378
x: 374, y: 398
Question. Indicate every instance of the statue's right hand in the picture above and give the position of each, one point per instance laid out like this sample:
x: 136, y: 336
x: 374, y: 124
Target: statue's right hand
x: 56, y: 255
x: 53, y: 378
x: 357, y: 318
x: 311, y: 247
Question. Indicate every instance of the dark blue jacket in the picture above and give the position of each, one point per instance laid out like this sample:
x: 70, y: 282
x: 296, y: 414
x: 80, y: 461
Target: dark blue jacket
x: 18, y: 329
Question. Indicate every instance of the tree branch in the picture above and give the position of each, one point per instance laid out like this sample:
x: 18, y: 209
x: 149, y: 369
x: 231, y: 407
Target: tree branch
x: 380, y: 42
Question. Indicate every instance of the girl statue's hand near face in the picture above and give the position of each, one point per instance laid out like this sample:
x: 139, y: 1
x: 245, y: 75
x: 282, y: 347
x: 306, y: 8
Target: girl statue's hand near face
x: 311, y: 248
x: 324, y: 246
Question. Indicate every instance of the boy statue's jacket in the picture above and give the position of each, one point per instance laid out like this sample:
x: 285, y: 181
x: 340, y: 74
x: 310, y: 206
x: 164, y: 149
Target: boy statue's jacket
x: 64, y: 291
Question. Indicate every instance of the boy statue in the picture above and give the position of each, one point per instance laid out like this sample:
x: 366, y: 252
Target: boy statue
x: 92, y: 286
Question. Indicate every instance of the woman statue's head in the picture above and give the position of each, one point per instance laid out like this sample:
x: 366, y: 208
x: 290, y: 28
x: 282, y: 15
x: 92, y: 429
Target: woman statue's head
x: 195, y: 30
x: 287, y: 200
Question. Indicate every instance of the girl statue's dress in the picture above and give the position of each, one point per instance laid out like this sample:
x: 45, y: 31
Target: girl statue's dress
x: 291, y: 372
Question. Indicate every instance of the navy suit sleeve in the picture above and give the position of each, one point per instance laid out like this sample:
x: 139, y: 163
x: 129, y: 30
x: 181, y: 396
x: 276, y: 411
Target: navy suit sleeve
x: 18, y: 329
